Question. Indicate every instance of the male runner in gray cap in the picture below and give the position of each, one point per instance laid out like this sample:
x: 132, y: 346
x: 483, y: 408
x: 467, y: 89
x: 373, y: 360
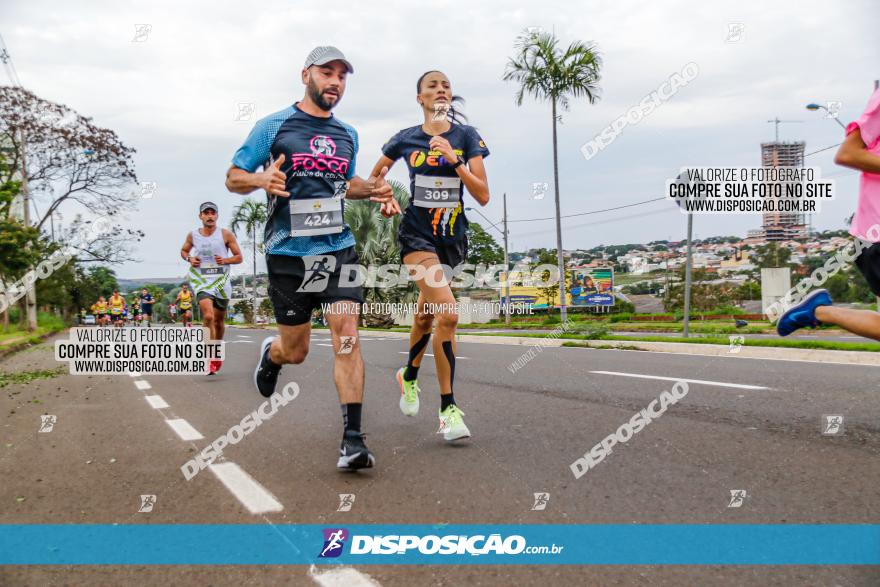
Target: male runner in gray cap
x: 308, y: 160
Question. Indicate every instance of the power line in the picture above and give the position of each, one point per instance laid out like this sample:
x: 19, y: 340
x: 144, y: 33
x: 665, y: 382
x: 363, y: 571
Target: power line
x: 6, y: 58
x: 599, y: 222
x: 825, y: 149
x: 631, y: 205
x: 592, y: 211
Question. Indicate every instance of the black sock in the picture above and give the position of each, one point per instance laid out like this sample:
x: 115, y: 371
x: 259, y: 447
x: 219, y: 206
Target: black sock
x: 412, y: 372
x: 446, y: 401
x: 450, y: 356
x: 351, y: 417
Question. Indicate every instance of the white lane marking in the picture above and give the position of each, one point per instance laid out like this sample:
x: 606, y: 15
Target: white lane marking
x: 240, y: 342
x: 323, y: 344
x: 134, y: 374
x: 242, y: 336
x: 143, y: 385
x: 156, y: 402
x: 184, y: 429
x: 341, y: 577
x: 716, y: 383
x: 430, y: 355
x: 245, y: 488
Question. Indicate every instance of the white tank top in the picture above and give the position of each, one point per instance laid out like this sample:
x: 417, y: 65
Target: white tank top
x: 209, y: 277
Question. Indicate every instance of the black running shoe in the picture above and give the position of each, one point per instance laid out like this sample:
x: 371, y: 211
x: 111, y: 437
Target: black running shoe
x: 354, y: 454
x: 266, y: 373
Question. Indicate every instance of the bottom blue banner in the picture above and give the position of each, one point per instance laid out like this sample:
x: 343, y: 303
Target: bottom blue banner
x: 368, y: 544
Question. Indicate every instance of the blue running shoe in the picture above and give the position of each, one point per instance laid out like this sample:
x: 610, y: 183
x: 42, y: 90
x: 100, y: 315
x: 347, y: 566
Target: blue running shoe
x: 803, y: 315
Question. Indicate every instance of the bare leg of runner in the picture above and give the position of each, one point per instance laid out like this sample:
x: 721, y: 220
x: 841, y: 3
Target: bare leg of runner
x: 862, y: 322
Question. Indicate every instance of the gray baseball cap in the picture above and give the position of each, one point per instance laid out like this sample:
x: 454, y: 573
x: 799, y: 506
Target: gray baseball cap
x: 325, y: 54
x: 207, y: 205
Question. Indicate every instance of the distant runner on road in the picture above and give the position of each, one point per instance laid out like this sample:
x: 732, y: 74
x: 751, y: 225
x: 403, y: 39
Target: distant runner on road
x: 210, y: 251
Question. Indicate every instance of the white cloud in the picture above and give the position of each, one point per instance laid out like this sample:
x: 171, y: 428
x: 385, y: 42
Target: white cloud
x: 173, y: 95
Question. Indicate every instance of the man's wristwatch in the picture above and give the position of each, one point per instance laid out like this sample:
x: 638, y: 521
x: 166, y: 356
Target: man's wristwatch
x: 458, y: 163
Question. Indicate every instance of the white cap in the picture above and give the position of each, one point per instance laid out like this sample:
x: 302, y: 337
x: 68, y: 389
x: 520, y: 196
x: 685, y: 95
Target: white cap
x: 325, y: 54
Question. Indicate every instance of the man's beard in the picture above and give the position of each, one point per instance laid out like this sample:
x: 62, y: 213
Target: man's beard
x: 318, y: 98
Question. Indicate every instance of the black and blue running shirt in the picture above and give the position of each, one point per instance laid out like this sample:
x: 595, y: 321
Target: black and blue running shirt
x: 319, y: 156
x: 435, y: 211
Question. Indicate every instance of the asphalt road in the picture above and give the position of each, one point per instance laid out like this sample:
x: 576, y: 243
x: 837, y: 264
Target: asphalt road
x: 802, y: 335
x: 745, y: 424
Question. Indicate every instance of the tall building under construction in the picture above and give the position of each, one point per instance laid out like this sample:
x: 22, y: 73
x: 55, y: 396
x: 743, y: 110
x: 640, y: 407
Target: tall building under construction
x: 781, y: 226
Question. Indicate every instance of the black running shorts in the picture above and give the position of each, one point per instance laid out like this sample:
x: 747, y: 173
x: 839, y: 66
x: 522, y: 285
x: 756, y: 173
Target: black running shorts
x: 452, y: 253
x: 868, y: 263
x: 298, y: 285
x: 219, y: 303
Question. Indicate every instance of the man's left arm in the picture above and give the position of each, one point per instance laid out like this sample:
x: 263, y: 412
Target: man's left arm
x: 232, y: 245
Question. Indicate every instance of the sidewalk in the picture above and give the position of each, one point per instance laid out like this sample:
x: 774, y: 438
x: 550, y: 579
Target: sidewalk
x: 713, y: 350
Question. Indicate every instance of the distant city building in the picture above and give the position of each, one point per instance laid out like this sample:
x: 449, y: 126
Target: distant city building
x: 781, y: 226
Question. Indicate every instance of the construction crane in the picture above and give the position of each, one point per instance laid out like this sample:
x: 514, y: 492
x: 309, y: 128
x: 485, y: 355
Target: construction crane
x: 777, y: 122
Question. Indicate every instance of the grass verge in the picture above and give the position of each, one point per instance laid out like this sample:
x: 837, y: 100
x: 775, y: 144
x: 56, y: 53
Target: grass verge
x: 780, y: 343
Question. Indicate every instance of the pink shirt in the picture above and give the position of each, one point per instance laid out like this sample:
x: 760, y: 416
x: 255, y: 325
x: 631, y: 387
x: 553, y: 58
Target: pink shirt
x: 868, y: 210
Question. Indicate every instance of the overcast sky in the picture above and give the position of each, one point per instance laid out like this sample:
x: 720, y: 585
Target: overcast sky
x: 172, y: 94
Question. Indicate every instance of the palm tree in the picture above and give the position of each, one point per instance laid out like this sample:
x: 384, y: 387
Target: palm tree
x: 548, y: 73
x: 376, y: 244
x: 250, y: 215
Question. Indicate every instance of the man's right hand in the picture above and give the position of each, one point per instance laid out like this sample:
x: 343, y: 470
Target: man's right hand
x: 195, y: 261
x: 273, y: 180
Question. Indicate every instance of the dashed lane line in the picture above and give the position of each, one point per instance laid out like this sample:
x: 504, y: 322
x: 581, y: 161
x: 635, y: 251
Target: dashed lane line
x: 156, y: 402
x: 245, y: 488
x: 184, y: 429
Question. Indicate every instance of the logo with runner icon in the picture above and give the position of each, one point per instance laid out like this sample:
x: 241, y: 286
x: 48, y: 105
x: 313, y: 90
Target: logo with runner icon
x: 322, y: 146
x: 541, y: 501
x: 346, y: 500
x: 832, y: 424
x: 47, y: 423
x: 317, y: 272
x: 334, y: 541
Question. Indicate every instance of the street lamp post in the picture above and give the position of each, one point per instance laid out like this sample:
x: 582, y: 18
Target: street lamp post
x: 814, y: 107
x: 687, y: 276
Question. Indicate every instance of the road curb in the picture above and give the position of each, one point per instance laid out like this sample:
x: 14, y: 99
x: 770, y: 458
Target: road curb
x: 679, y: 348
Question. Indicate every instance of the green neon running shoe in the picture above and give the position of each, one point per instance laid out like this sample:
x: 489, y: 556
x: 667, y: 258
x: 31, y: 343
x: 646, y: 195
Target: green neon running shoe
x: 451, y: 425
x: 409, y: 394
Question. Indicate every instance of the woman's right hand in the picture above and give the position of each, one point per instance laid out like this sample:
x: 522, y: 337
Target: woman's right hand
x: 390, y: 208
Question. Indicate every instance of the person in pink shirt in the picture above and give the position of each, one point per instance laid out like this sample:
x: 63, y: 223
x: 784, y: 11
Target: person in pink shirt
x: 859, y: 150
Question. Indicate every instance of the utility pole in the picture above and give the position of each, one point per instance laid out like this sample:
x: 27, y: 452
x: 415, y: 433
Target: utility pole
x: 687, y: 276
x: 506, y: 269
x: 31, y: 296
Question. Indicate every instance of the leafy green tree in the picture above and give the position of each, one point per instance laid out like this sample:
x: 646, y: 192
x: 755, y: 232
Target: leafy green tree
x: 838, y: 286
x: 749, y: 290
x: 376, y: 244
x: 20, y: 246
x: 482, y: 247
x: 245, y: 309
x: 546, y: 72
x: 770, y: 256
x: 266, y: 310
x: 249, y: 216
x: 70, y: 162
